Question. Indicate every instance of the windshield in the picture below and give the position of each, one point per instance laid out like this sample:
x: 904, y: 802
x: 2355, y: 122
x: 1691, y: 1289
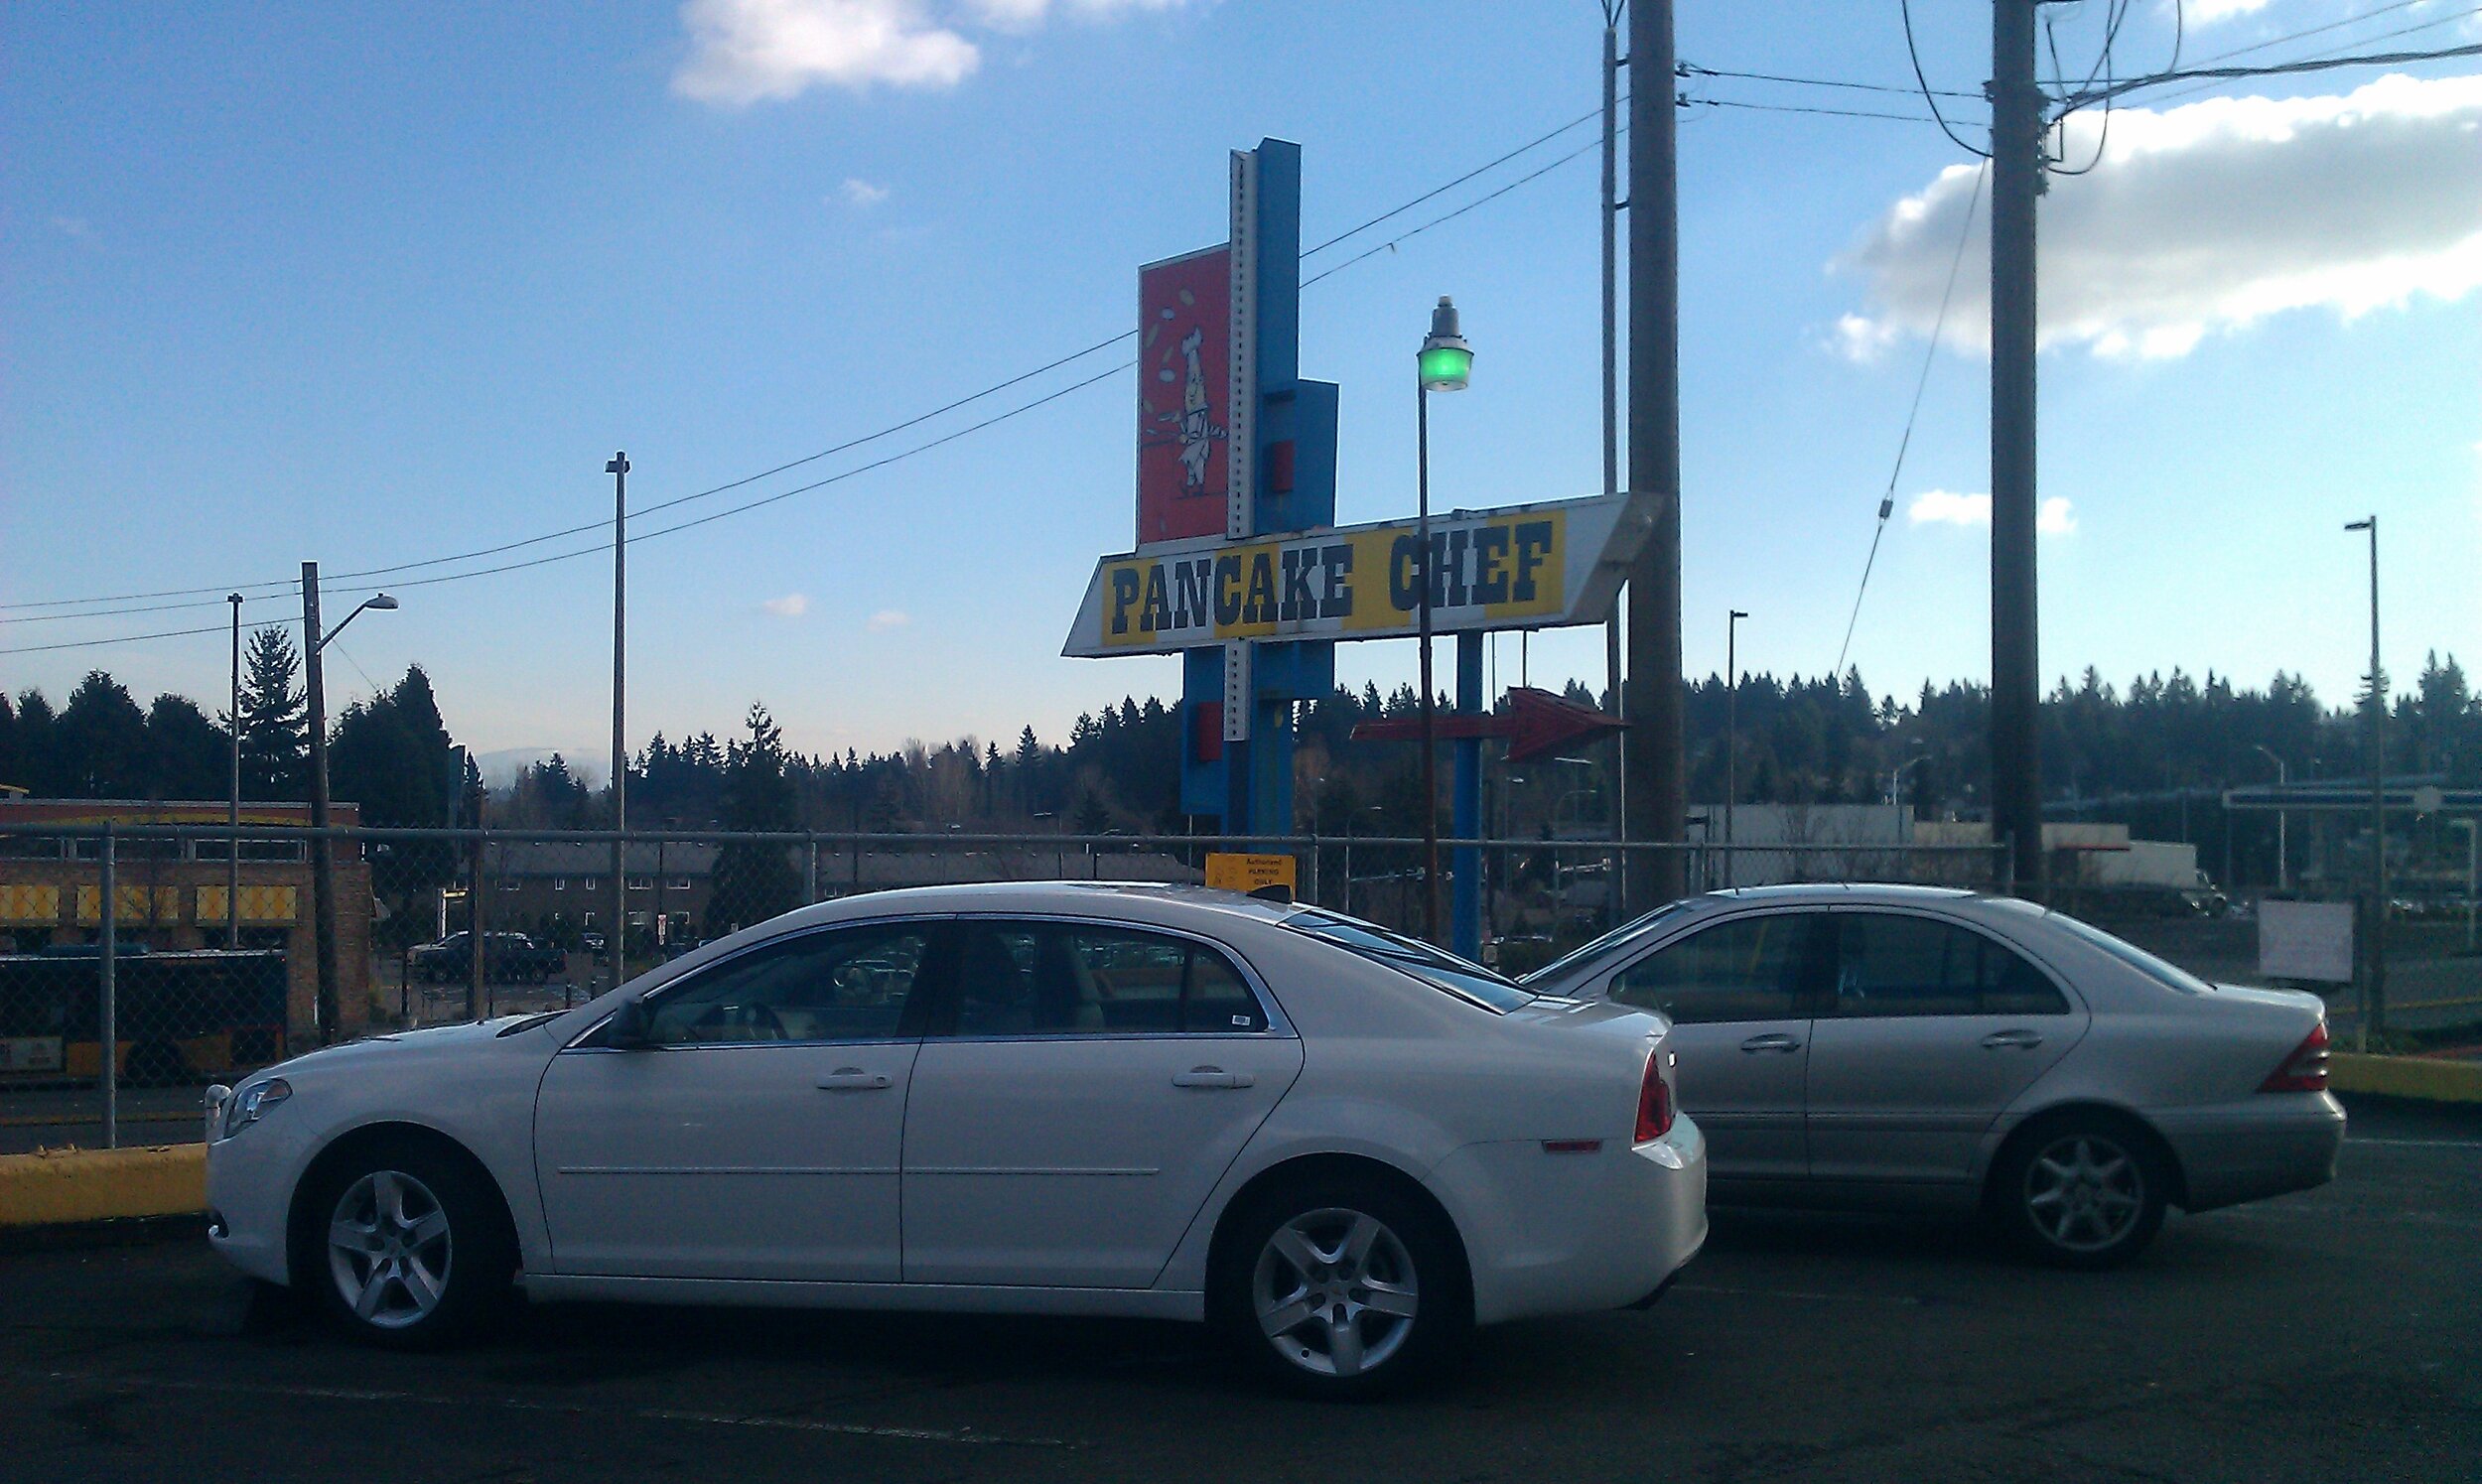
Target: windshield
x: 2171, y: 976
x: 1628, y: 934
x: 1466, y: 981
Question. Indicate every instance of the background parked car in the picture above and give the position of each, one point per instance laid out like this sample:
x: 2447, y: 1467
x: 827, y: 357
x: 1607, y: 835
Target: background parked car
x: 507, y: 958
x: 1906, y: 1045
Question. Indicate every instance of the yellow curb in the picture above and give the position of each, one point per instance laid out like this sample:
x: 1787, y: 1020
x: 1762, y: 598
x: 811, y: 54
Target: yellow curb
x: 2406, y: 1077
x: 57, y: 1186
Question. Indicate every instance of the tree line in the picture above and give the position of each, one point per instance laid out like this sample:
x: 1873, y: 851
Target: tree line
x: 2155, y: 755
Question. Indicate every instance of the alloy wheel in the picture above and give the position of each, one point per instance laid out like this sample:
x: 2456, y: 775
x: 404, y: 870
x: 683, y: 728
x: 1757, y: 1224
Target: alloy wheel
x: 1335, y: 1293
x: 2084, y: 1192
x: 389, y: 1248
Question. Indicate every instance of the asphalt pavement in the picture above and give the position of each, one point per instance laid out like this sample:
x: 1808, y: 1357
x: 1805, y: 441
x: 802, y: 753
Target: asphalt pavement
x: 2331, y: 1335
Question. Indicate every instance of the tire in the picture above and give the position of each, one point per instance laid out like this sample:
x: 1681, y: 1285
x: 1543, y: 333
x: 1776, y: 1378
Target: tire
x: 2081, y: 1191
x: 1325, y: 1247
x: 406, y: 1247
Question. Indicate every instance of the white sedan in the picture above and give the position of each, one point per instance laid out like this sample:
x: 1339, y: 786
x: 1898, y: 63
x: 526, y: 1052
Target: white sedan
x: 1339, y: 1146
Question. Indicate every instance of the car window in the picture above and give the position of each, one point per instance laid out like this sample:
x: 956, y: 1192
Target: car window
x: 1466, y: 981
x: 1075, y: 979
x: 1748, y: 968
x: 1890, y: 965
x: 850, y: 983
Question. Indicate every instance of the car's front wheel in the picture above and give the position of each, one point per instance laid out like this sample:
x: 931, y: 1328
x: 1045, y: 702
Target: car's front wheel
x: 2081, y: 1192
x: 1342, y: 1290
x: 411, y: 1249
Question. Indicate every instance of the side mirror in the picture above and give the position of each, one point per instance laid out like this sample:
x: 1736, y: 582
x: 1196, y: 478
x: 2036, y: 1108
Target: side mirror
x: 627, y: 1030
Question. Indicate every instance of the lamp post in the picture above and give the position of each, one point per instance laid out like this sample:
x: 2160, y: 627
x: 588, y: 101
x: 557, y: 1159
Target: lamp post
x: 2473, y: 869
x: 2284, y: 817
x: 315, y: 641
x: 1896, y: 792
x: 1732, y: 730
x: 232, y: 807
x: 2374, y: 1012
x: 1444, y: 364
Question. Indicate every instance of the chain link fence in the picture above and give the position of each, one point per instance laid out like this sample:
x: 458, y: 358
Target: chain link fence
x: 205, y: 966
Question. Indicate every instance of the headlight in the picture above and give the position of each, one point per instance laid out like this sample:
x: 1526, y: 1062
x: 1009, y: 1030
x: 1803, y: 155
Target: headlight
x: 249, y: 1105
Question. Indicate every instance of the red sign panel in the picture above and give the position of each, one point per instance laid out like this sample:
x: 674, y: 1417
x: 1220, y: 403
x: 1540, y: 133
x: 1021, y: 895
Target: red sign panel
x: 1184, y: 388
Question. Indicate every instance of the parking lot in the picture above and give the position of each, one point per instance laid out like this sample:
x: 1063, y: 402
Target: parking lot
x: 2331, y: 1335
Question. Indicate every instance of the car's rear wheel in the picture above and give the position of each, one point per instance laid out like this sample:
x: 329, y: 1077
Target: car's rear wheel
x: 2081, y: 1192
x: 1341, y: 1290
x: 411, y: 1249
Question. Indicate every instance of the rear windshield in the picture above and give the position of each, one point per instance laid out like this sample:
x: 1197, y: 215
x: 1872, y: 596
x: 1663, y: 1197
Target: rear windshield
x: 1627, y: 935
x: 2169, y: 975
x: 1465, y: 981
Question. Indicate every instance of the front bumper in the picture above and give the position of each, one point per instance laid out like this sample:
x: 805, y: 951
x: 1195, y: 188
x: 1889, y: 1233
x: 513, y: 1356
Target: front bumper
x: 249, y: 1188
x: 1562, y: 1233
x: 2273, y: 1144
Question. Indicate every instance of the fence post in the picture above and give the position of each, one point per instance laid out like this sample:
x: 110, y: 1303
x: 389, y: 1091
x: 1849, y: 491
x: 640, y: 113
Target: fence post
x: 1313, y: 869
x: 107, y: 1001
x: 473, y: 927
x: 809, y: 867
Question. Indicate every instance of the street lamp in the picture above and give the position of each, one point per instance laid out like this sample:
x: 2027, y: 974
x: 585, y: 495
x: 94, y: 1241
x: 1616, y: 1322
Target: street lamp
x: 2284, y: 815
x: 232, y: 817
x: 315, y: 641
x: 2374, y: 1015
x: 1444, y: 364
x: 1895, y: 793
x: 1732, y: 730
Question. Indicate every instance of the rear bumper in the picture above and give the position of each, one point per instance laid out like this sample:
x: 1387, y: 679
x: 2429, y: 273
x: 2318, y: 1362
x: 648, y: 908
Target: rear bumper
x: 2273, y: 1144
x: 1551, y: 1233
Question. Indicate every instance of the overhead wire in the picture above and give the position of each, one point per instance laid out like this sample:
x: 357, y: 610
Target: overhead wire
x: 1921, y: 383
x: 1905, y: 8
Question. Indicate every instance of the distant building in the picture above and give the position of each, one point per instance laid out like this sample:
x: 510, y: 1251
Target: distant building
x: 170, y: 893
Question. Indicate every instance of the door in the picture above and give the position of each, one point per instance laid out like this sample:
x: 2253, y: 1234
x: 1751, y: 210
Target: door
x: 1086, y: 1089
x: 760, y: 1135
x: 1739, y: 995
x: 1932, y: 1030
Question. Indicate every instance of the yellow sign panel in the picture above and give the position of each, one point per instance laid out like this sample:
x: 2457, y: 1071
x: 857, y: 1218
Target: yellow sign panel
x: 265, y: 905
x: 1232, y: 871
x: 30, y: 903
x: 131, y: 904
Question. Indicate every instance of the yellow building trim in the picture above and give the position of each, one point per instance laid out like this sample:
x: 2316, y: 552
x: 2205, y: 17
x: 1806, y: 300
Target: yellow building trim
x: 131, y: 904
x: 29, y: 904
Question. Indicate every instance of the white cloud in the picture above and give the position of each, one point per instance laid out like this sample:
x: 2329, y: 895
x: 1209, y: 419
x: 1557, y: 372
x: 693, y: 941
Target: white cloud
x: 74, y: 227
x: 790, y: 605
x: 744, y: 51
x: 2206, y: 218
x: 2054, y: 518
x: 888, y: 619
x: 861, y: 193
x: 2208, y: 12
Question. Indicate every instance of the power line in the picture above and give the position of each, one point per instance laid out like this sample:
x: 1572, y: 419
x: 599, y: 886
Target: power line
x: 1906, y: 9
x: 133, y: 638
x: 1532, y: 144
x: 1390, y: 245
x: 1887, y: 501
x: 2276, y: 70
x: 2431, y: 24
x: 1910, y: 118
x: 1691, y: 69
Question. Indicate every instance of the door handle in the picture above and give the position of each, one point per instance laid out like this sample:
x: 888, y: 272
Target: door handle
x: 854, y: 1079
x: 1211, y: 1077
x: 2022, y: 1041
x: 1772, y: 1041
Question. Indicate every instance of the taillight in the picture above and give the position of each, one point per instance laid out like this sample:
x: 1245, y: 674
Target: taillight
x: 2305, y: 1070
x: 1654, y: 1100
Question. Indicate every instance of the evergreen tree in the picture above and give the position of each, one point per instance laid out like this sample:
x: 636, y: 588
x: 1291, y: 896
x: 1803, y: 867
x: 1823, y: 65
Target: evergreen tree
x: 275, y: 726
x: 187, y: 755
x: 753, y: 882
x: 102, y: 740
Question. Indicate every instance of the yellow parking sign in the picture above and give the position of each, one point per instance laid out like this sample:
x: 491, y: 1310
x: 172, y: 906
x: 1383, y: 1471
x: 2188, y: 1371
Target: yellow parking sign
x: 1256, y: 875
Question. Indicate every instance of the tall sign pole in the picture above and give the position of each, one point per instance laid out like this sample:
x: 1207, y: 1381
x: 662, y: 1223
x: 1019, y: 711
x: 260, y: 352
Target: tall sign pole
x: 2016, y: 167
x: 1658, y: 805
x: 618, y: 469
x: 1611, y: 417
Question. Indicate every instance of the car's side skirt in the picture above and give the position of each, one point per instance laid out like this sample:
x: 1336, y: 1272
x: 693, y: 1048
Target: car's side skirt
x: 1135, y: 1303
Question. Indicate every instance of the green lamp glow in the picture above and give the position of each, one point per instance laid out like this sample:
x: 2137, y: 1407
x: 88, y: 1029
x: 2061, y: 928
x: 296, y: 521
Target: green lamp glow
x: 1445, y: 363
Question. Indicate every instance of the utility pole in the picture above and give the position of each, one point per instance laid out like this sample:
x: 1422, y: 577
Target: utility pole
x: 1613, y: 62
x: 618, y: 469
x: 2375, y: 1011
x: 323, y: 850
x: 232, y: 809
x: 1658, y: 805
x: 1732, y: 730
x: 2016, y: 170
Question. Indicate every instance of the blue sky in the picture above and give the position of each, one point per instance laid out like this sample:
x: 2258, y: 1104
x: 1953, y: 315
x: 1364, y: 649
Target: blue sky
x: 372, y: 285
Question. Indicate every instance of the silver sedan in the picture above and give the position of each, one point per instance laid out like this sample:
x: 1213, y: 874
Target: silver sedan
x: 1913, y: 1046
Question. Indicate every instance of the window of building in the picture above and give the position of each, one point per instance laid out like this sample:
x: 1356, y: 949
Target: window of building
x: 680, y: 883
x: 641, y: 884
x: 560, y: 884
